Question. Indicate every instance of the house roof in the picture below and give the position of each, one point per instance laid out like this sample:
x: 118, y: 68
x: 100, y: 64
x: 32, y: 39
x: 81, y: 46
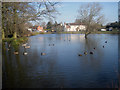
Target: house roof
x: 67, y: 26
x: 39, y: 28
x: 74, y: 24
x: 35, y: 27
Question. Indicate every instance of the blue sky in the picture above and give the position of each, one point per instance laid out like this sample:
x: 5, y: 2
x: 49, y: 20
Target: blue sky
x: 69, y: 10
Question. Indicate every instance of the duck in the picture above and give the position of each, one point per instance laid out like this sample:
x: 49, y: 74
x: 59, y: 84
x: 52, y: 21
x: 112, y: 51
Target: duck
x: 105, y: 41
x: 85, y: 53
x: 27, y: 46
x: 91, y: 52
x: 24, y: 44
x: 25, y: 53
x: 79, y: 54
x: 16, y: 53
x: 43, y: 53
x: 94, y: 48
x: 9, y: 45
x: 103, y: 46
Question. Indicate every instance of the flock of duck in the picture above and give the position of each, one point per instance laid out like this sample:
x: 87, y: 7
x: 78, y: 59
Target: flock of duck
x: 90, y: 51
x: 25, y: 45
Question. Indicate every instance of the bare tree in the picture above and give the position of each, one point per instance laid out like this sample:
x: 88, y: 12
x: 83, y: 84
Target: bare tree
x: 16, y: 14
x: 91, y: 16
x: 47, y: 9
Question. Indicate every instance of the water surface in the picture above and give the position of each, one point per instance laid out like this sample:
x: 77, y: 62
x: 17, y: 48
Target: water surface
x: 61, y: 67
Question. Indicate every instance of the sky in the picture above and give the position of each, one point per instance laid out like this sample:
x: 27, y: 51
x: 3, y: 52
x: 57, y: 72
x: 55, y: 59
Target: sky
x: 69, y: 11
x: 69, y: 8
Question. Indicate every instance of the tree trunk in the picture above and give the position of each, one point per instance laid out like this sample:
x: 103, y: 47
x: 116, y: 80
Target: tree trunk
x: 15, y: 35
x: 15, y: 22
x: 86, y: 34
x: 3, y: 34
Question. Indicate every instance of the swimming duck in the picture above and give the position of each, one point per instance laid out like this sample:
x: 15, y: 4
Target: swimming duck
x: 91, y: 52
x: 27, y: 46
x: 25, y: 53
x: 79, y: 54
x: 15, y: 52
x: 105, y: 41
x: 43, y: 53
x: 103, y: 46
x: 85, y: 53
x: 24, y: 44
x: 9, y: 45
x: 94, y: 48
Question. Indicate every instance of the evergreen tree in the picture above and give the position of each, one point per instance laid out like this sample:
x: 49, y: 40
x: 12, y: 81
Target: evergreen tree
x: 49, y: 25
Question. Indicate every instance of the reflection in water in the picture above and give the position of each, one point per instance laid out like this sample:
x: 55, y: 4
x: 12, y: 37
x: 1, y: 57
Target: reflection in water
x: 61, y: 66
x: 0, y: 61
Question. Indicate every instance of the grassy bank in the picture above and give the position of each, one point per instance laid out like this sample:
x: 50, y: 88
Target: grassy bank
x: 115, y: 31
x: 18, y: 41
x: 14, y: 42
x: 96, y: 32
x: 37, y: 33
x: 22, y: 39
x: 106, y: 32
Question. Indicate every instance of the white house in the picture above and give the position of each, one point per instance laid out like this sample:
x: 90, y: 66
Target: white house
x: 30, y: 29
x: 74, y: 27
x: 103, y: 29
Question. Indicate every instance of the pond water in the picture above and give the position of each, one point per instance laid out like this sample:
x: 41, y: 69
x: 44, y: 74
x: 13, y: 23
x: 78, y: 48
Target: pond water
x: 62, y: 67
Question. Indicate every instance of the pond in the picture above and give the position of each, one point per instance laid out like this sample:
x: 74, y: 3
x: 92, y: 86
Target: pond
x: 61, y: 66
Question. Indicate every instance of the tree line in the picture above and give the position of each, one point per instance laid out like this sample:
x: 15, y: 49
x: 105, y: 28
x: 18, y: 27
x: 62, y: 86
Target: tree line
x: 57, y: 27
x: 113, y: 25
x: 16, y: 16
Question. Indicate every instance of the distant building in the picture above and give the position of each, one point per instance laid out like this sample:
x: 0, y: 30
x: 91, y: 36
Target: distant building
x: 74, y: 27
x: 110, y: 28
x: 119, y: 11
x: 35, y: 28
x: 103, y: 29
x: 29, y: 29
x: 58, y: 27
x: 40, y: 29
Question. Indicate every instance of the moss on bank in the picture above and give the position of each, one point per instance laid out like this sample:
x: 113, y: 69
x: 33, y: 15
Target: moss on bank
x: 22, y: 39
x: 14, y: 42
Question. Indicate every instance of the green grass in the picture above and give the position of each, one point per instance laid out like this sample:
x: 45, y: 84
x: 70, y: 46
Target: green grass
x: 106, y: 32
x: 34, y: 33
x: 22, y: 39
x: 77, y: 32
x: 37, y: 33
x: 95, y: 32
x: 70, y: 32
